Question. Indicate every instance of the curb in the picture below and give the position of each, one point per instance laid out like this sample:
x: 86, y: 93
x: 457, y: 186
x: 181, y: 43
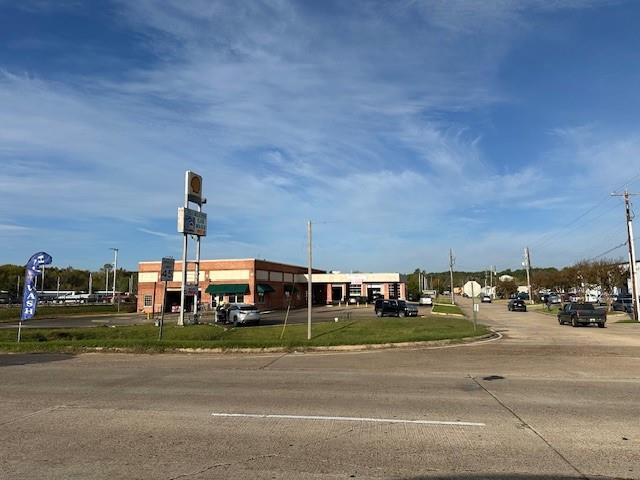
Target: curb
x: 299, y: 349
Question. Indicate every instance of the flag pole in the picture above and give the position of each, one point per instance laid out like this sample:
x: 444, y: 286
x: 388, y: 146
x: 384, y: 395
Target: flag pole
x: 19, y: 330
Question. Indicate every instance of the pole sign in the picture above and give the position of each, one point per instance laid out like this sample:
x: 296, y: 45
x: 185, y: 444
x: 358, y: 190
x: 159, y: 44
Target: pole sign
x: 192, y: 222
x: 30, y: 295
x: 166, y: 269
x: 193, y: 187
x: 190, y: 289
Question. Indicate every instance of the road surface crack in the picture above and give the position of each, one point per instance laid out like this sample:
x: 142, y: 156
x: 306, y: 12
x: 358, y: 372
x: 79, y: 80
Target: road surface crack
x: 228, y: 464
x: 32, y: 414
x: 524, y: 423
x: 268, y: 364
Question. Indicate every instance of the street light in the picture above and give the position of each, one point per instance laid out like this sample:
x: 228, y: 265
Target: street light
x: 115, y: 269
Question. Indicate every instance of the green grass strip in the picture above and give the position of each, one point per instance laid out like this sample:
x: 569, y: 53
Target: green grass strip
x: 144, y: 337
x: 53, y: 311
x: 448, y: 309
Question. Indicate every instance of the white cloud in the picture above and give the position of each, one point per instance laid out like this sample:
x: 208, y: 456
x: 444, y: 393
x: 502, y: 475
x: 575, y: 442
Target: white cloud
x: 288, y: 117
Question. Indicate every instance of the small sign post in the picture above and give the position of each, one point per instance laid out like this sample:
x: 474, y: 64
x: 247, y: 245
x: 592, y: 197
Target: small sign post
x: 166, y: 275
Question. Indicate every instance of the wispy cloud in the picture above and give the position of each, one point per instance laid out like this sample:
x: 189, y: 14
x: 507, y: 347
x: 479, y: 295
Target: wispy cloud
x: 358, y: 116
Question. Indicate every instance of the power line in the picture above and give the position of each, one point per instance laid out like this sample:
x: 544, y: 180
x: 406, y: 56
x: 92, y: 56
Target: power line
x: 548, y: 236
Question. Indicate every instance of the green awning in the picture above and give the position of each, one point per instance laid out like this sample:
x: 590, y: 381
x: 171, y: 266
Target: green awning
x: 228, y: 288
x: 264, y: 288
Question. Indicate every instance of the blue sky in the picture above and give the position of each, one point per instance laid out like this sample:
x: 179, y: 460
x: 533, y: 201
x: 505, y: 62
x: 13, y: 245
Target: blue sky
x: 401, y: 129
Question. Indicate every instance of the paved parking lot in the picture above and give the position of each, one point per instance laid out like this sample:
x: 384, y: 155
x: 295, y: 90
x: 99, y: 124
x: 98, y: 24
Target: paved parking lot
x: 543, y: 402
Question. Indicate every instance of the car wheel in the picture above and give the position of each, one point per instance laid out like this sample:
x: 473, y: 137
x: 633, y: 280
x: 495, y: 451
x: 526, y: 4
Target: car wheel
x: 601, y: 325
x: 401, y: 314
x: 379, y: 313
x: 574, y: 322
x: 508, y: 308
x: 560, y: 321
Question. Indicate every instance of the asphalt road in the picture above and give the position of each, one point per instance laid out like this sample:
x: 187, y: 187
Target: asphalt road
x: 543, y: 402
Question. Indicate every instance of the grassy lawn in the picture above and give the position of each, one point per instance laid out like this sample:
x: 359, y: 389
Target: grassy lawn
x: 439, y: 308
x: 143, y: 338
x: 52, y: 311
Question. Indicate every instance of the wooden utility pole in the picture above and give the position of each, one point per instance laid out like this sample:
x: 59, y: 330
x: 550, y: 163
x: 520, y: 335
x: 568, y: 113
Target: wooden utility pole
x: 451, y: 263
x: 309, y: 285
x: 632, y: 250
x: 527, y: 266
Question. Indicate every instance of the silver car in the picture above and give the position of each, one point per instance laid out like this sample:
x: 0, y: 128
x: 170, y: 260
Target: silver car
x: 243, y: 313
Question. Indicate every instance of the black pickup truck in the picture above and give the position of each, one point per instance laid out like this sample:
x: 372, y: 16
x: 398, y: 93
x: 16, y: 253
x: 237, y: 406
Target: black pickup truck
x: 397, y: 308
x: 582, y: 314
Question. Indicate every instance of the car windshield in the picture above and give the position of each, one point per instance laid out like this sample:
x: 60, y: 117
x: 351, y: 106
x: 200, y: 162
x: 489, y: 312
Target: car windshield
x: 248, y: 308
x: 402, y: 303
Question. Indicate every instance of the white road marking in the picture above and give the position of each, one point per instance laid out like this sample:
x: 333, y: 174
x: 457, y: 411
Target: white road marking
x: 348, y: 419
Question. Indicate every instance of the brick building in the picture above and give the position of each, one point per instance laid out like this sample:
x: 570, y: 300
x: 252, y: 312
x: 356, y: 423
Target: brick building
x: 269, y: 285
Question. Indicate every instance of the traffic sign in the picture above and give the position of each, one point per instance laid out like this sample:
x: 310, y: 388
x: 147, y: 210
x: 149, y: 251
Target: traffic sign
x: 166, y: 269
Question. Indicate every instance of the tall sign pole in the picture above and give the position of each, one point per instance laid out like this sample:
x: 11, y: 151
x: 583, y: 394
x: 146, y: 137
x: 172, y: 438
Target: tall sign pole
x: 185, y: 245
x: 191, y: 222
x: 632, y: 251
x: 309, y: 284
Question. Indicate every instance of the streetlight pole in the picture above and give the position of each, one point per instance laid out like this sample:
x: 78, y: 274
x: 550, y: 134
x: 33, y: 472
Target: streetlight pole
x: 115, y: 270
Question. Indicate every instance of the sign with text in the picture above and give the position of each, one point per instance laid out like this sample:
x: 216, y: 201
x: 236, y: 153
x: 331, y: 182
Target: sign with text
x: 190, y: 289
x: 166, y: 269
x: 192, y: 222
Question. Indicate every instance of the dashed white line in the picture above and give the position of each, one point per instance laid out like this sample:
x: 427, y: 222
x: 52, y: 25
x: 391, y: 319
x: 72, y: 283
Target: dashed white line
x: 348, y: 419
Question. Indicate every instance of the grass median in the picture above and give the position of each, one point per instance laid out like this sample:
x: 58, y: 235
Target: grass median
x: 447, y: 309
x: 11, y: 314
x: 143, y: 338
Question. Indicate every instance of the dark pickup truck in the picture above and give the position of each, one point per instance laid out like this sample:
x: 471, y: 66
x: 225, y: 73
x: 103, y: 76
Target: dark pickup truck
x: 582, y: 314
x: 397, y: 308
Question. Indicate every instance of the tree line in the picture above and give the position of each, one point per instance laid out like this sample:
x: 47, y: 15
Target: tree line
x: 605, y: 273
x: 12, y: 278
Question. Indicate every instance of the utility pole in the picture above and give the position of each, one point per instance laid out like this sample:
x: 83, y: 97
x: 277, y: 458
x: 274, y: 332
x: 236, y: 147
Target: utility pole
x: 309, y: 284
x: 491, y: 280
x: 90, y: 283
x: 527, y: 266
x: 632, y: 250
x: 58, y: 289
x: 115, y: 270
x: 451, y: 263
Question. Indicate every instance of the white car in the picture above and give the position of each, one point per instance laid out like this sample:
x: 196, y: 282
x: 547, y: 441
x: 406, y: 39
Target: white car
x: 426, y: 300
x: 242, y: 313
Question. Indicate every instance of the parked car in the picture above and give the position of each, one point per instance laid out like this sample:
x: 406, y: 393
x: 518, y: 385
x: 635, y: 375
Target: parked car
x: 623, y: 304
x: 523, y: 296
x: 485, y: 298
x: 582, y: 314
x: 426, y: 300
x: 239, y: 314
x: 554, y: 299
x: 516, y: 305
x: 6, y: 299
x: 357, y: 300
x: 574, y: 297
x: 398, y: 308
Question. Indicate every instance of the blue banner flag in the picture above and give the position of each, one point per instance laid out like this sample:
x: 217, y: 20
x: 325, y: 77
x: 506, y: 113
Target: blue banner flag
x: 30, y: 295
